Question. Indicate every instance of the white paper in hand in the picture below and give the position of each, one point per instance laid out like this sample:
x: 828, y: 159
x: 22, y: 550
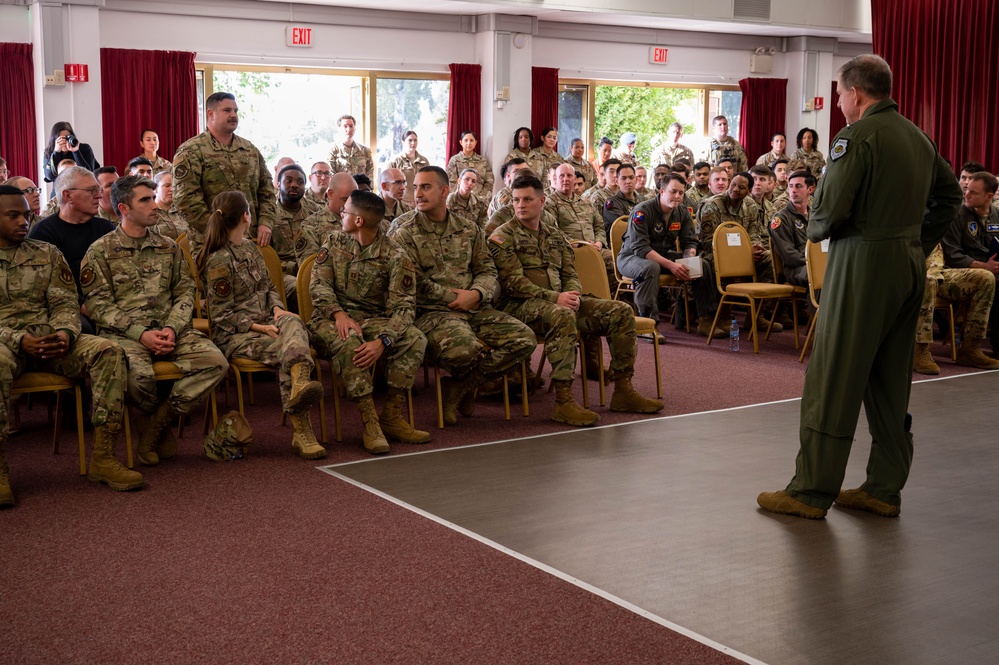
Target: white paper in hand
x: 825, y: 245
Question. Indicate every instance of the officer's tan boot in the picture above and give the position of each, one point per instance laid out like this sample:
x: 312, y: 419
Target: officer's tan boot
x: 374, y: 440
x: 626, y: 398
x: 304, y: 391
x: 923, y: 363
x: 6, y: 494
x: 567, y: 410
x: 105, y: 468
x: 303, y: 441
x: 970, y: 355
x: 704, y: 327
x: 458, y: 395
x: 394, y: 424
x: 152, y: 436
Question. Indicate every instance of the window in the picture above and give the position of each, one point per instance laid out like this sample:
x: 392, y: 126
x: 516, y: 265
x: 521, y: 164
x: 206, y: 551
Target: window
x: 573, y: 116
x: 411, y: 104
x: 646, y: 111
x: 729, y: 104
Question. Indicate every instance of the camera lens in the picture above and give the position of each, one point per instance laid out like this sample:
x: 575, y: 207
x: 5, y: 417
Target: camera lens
x: 72, y: 141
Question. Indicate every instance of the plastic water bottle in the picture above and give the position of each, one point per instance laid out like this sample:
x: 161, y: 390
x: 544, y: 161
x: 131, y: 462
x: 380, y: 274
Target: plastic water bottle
x: 733, y: 336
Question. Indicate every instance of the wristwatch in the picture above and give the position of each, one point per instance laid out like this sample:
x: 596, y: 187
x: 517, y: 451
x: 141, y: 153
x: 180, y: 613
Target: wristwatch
x: 386, y: 340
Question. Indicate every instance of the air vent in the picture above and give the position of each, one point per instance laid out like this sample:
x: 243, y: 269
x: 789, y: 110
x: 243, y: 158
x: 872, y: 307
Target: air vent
x: 751, y: 10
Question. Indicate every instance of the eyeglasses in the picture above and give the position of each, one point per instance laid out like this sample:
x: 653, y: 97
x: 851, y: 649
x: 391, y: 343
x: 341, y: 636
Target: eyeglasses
x: 396, y: 182
x: 93, y: 191
x: 322, y: 174
x: 31, y: 190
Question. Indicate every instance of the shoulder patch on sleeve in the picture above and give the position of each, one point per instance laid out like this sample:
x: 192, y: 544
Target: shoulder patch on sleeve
x: 180, y: 171
x: 87, y: 276
x: 608, y: 204
x: 839, y: 149
x: 66, y: 277
x: 638, y: 217
x: 322, y: 255
x: 222, y: 288
x: 498, y: 239
x: 775, y: 223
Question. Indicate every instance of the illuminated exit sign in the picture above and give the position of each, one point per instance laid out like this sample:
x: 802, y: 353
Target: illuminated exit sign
x: 296, y: 36
x: 658, y: 55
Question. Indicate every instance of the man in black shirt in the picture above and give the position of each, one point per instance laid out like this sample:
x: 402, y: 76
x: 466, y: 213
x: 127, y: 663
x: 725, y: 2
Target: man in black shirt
x: 76, y: 226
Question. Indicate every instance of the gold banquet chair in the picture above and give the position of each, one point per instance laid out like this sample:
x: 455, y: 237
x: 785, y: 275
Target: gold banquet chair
x: 815, y: 262
x: 199, y: 322
x: 733, y: 261
x: 593, y: 280
x: 666, y: 280
x: 800, y: 292
x: 305, y: 310
x: 39, y: 382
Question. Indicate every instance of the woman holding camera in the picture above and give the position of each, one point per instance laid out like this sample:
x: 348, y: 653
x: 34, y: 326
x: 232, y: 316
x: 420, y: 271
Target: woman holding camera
x: 63, y: 144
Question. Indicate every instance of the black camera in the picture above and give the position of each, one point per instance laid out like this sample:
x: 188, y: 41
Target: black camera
x: 72, y: 141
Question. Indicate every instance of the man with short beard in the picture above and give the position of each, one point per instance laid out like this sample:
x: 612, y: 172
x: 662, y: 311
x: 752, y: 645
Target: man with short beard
x: 287, y: 228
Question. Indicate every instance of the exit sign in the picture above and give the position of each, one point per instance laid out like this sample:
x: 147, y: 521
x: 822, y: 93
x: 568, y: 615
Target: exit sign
x: 298, y: 36
x: 658, y: 55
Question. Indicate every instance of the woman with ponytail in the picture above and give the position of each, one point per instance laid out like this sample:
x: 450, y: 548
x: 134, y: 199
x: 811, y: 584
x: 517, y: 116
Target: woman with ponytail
x: 248, y: 320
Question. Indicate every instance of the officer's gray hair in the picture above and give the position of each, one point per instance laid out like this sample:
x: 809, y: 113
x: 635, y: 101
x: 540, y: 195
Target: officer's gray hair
x: 868, y: 73
x: 69, y: 179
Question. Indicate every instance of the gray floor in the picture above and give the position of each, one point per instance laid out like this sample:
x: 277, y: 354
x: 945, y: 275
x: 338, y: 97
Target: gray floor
x: 663, y: 515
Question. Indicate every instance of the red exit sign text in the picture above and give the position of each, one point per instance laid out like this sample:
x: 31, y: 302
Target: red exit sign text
x: 658, y: 55
x: 298, y: 36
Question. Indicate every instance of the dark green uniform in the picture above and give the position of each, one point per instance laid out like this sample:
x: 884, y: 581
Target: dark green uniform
x: 968, y: 239
x: 787, y: 237
x: 873, y: 286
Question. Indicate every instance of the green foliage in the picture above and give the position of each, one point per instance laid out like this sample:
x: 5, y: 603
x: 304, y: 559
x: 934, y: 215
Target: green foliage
x: 648, y: 112
x: 401, y: 104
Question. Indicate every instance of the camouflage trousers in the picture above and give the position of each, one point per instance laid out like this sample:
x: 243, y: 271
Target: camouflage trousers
x: 558, y: 326
x: 971, y: 285
x: 291, y: 292
x: 288, y: 349
x: 456, y: 340
x: 100, y: 359
x: 200, y: 361
x: 403, y: 358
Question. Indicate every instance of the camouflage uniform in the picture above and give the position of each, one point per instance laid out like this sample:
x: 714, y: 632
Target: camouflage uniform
x: 505, y: 214
x: 473, y: 208
x: 599, y: 199
x: 649, y: 230
x: 729, y: 148
x: 814, y: 160
x: 695, y: 195
x: 534, y: 268
x: 716, y: 210
x: 315, y: 228
x: 375, y: 285
x: 135, y: 284
x: 240, y: 293
x: 584, y: 167
x: 477, y: 163
x: 971, y: 285
x: 788, y: 238
x: 285, y: 237
x: 453, y: 254
x: 315, y: 201
x: 618, y: 206
x: 500, y: 199
x: 576, y: 219
x: 409, y: 168
x: 769, y: 158
x: 968, y: 239
x: 170, y: 223
x: 546, y: 159
x: 626, y: 157
x: 353, y: 159
x: 39, y: 298
x: 160, y: 165
x: 203, y: 168
x: 108, y: 215
x: 398, y: 209
x: 668, y: 154
x: 534, y: 160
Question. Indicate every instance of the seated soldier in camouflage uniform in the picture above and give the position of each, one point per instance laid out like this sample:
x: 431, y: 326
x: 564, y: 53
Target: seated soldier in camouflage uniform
x: 248, y: 319
x: 698, y: 183
x: 541, y: 288
x: 976, y: 287
x: 40, y: 331
x: 392, y: 187
x: 576, y: 218
x: 463, y: 201
x: 317, y: 226
x: 287, y: 230
x: 467, y: 158
x: 140, y: 292
x: 363, y: 289
x: 456, y: 280
x: 507, y: 172
x: 622, y: 203
x: 169, y: 223
x: 577, y: 160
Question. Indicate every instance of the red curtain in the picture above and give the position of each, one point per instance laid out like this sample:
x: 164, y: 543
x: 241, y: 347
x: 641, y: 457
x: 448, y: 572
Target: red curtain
x: 837, y: 120
x: 146, y: 89
x: 945, y: 63
x: 544, y: 99
x: 18, y: 142
x: 764, y: 111
x: 464, y: 106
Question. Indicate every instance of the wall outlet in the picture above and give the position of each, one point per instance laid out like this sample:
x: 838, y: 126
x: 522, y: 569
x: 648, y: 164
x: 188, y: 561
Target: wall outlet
x: 60, y: 77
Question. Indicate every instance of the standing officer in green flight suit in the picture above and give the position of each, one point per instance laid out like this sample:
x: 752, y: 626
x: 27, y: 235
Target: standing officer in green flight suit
x: 870, y: 298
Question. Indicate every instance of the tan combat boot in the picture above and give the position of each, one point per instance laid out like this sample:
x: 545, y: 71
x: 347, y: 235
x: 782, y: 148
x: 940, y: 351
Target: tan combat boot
x: 374, y: 440
x: 970, y: 355
x: 105, y: 468
x: 6, y: 494
x: 304, y: 391
x: 303, y: 441
x: 394, y: 424
x: 154, y: 435
x: 923, y: 363
x: 567, y: 410
x: 458, y: 395
x: 704, y: 327
x: 626, y: 398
